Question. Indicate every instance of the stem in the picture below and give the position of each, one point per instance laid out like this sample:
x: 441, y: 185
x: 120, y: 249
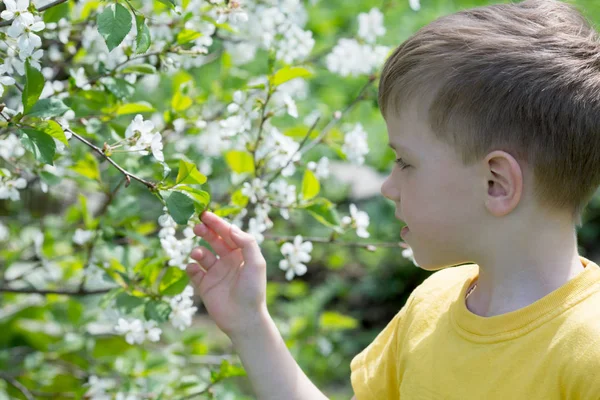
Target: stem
x: 128, y: 175
x: 368, y: 246
x: 44, y: 8
x: 46, y: 291
x: 334, y: 120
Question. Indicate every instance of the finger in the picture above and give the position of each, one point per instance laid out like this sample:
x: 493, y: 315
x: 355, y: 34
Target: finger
x: 220, y: 226
x: 211, y: 237
x: 249, y: 246
x: 195, y: 272
x: 204, y: 257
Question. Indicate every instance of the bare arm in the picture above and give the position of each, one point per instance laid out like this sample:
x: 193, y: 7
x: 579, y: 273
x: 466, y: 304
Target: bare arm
x: 272, y: 370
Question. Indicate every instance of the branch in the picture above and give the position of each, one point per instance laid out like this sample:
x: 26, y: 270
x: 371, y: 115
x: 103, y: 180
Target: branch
x: 12, y: 381
x: 128, y: 175
x: 46, y: 292
x: 44, y: 8
x: 368, y: 246
x: 336, y: 118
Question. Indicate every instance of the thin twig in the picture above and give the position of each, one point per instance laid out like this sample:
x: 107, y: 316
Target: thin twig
x: 44, y: 8
x: 46, y: 292
x: 128, y: 175
x: 18, y: 386
x: 335, y: 118
x: 368, y: 246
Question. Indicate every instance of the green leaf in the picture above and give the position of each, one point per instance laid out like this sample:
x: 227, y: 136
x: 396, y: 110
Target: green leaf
x: 226, y: 370
x: 47, y: 108
x: 128, y: 302
x: 324, y: 211
x: 157, y: 310
x: 239, y: 161
x: 87, y: 166
x: 170, y: 3
x: 310, y: 185
x: 40, y: 144
x: 34, y: 84
x: 56, y: 13
x: 330, y: 320
x: 135, y: 108
x: 56, y: 131
x: 170, y: 277
x: 288, y: 73
x: 180, y: 102
x: 200, y: 197
x: 145, y: 69
x: 114, y: 23
x: 188, y: 173
x: 50, y: 179
x: 143, y: 38
x: 119, y: 87
x: 181, y: 207
x: 187, y: 35
x: 176, y: 287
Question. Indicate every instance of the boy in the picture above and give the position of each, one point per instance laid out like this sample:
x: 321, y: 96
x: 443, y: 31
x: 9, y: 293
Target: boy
x: 494, y: 114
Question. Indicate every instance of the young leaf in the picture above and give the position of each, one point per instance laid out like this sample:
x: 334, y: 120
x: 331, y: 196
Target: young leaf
x: 239, y: 161
x: 188, y: 173
x: 157, y: 310
x: 288, y: 73
x: 46, y: 108
x: 181, y: 207
x: 187, y: 35
x: 56, y: 131
x: 324, y: 211
x: 135, y: 108
x: 143, y: 39
x: 34, y: 84
x: 40, y: 144
x: 310, y: 185
x: 114, y: 23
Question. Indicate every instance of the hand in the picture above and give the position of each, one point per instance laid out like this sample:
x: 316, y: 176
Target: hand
x: 233, y: 286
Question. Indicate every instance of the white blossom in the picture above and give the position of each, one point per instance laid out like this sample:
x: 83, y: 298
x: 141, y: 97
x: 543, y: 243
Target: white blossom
x: 349, y: 57
x: 5, y: 81
x: 11, y: 147
x: 360, y: 219
x: 296, y: 254
x: 81, y: 80
x: 415, y: 5
x: 355, y: 145
x: 133, y: 330
x: 152, y: 330
x: 4, y: 232
x: 321, y: 169
x: 254, y: 190
x: 182, y: 309
x: 9, y: 188
x: 408, y: 253
x: 141, y: 136
x: 370, y: 25
x: 82, y: 236
x: 98, y: 387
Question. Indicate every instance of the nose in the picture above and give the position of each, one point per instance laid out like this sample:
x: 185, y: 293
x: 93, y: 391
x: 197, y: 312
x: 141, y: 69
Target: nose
x: 387, y: 190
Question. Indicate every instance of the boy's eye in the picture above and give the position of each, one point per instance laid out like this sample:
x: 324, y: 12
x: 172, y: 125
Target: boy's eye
x: 402, y: 164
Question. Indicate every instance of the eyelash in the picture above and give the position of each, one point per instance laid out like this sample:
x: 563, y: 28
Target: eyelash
x: 401, y: 162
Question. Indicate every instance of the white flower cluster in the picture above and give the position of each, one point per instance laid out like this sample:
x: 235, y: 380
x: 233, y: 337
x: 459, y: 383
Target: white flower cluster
x: 279, y: 149
x: 285, y: 195
x: 98, y: 387
x: 23, y: 27
x: 9, y: 186
x: 137, y: 331
x: 11, y: 147
x: 140, y: 136
x: 296, y: 254
x: 320, y: 168
x: 82, y: 236
x: 182, y: 309
x: 355, y: 145
x: 4, y: 232
x: 280, y: 29
x: 177, y: 250
x: 349, y: 57
x: 360, y: 219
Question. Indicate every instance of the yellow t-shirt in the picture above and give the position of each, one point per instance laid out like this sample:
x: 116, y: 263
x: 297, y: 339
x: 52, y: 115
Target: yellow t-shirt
x: 435, y: 348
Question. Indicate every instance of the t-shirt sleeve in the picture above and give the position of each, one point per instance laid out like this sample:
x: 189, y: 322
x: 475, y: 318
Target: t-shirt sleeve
x: 374, y: 371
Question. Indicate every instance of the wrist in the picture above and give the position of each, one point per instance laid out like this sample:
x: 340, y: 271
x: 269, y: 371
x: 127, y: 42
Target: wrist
x: 256, y: 325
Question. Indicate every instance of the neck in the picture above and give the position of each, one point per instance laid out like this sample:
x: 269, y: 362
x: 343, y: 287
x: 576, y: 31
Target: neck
x: 531, y: 269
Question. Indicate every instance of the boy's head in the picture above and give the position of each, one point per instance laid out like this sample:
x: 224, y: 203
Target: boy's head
x: 500, y: 106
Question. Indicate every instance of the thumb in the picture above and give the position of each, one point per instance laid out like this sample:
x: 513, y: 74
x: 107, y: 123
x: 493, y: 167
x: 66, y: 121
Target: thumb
x: 249, y: 246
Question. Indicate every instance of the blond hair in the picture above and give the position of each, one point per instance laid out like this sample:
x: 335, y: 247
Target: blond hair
x: 523, y: 78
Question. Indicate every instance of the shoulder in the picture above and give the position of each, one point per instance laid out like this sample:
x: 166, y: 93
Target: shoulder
x: 446, y: 280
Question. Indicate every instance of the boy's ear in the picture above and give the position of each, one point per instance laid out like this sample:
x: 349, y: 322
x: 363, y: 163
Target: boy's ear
x: 504, y: 183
